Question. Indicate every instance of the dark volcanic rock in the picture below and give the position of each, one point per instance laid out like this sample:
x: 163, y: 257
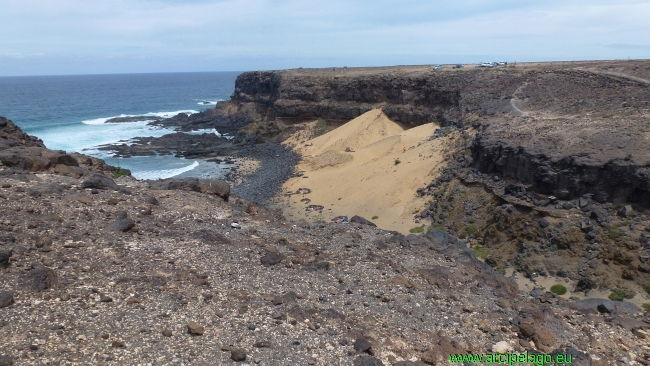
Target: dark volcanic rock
x: 209, y: 186
x: 238, y: 354
x: 40, y: 279
x: 123, y: 225
x: 180, y: 144
x: 6, y: 299
x: 99, y: 181
x: 67, y: 159
x: 5, y: 255
x: 271, y: 259
x: 361, y: 220
x: 362, y: 345
x: 48, y: 188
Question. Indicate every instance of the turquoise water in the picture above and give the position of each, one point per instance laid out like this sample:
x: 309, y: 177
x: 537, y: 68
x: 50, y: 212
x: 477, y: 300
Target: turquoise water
x: 68, y: 112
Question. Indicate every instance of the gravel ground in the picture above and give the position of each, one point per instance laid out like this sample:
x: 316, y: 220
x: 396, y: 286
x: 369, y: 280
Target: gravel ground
x: 194, y: 280
x: 276, y: 166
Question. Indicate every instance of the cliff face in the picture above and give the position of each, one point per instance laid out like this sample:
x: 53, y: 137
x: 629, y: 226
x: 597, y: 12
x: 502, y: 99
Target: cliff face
x: 565, y: 130
x: 342, y: 95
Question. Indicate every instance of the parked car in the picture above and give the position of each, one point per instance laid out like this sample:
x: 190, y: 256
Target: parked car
x: 502, y: 63
x: 458, y: 66
x: 437, y: 67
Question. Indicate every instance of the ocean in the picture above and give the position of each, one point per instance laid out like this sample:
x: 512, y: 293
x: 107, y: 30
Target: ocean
x: 69, y: 112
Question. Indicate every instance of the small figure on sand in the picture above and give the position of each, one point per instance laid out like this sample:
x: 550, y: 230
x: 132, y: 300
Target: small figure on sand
x: 404, y: 148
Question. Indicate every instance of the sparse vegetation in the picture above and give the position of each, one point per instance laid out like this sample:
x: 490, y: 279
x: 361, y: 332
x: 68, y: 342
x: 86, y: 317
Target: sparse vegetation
x: 480, y: 251
x: 119, y: 172
x: 416, y: 230
x: 320, y: 128
x: 615, y: 233
x: 397, y: 161
x: 436, y: 226
x: 470, y: 229
x: 557, y: 214
x: 558, y: 289
x: 617, y: 295
x: 375, y: 217
x: 574, y: 298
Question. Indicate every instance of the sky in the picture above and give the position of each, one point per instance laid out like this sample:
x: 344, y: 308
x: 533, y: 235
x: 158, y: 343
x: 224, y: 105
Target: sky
x: 59, y: 37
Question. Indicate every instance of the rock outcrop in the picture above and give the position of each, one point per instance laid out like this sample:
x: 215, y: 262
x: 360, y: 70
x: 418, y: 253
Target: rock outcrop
x: 24, y: 154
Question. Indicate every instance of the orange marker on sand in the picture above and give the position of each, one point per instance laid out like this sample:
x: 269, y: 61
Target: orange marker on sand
x: 404, y: 149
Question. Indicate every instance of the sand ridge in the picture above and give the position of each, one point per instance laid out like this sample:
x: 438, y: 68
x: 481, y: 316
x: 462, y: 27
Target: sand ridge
x: 366, y: 181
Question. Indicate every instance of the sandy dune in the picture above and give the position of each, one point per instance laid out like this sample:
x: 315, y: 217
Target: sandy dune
x: 366, y: 181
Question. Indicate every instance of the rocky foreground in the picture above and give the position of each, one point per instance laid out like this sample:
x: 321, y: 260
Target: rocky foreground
x: 104, y: 270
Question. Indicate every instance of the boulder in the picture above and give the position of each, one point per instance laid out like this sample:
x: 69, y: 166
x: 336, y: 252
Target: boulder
x: 123, y: 225
x: 217, y: 187
x: 238, y: 354
x: 194, y: 328
x: 271, y: 259
x: 40, y: 279
x: 5, y: 255
x: 360, y: 220
x: 67, y: 160
x: 209, y: 186
x: 99, y: 181
x: 6, y: 299
x: 69, y: 170
x: 44, y: 189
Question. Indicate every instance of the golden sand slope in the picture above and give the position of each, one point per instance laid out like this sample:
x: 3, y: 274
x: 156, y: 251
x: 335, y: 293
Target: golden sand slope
x: 366, y: 182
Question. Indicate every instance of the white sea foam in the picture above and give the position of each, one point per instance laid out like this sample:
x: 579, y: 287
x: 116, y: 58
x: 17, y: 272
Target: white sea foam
x: 164, y: 173
x: 209, y: 102
x: 201, y: 132
x: 99, y: 121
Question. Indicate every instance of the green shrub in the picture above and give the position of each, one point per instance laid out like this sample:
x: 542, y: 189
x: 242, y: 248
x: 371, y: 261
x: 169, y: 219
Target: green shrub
x: 480, y: 252
x: 615, y: 233
x: 436, y: 226
x: 470, y: 229
x: 558, y: 289
x: 617, y: 295
x: 397, y: 161
x: 574, y: 298
x: 321, y: 128
x: 416, y: 230
x: 646, y: 307
x: 119, y: 172
x: 375, y: 217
